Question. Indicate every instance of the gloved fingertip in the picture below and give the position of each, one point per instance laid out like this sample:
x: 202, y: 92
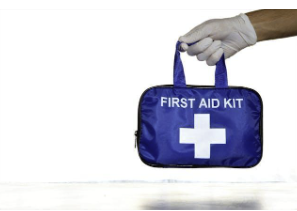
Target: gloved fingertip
x: 183, y: 47
x: 211, y: 62
x: 200, y: 57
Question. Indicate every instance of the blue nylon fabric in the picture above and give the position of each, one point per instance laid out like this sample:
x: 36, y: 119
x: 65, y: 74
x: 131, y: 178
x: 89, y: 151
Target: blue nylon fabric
x: 221, y: 80
x: 159, y: 127
x: 179, y: 80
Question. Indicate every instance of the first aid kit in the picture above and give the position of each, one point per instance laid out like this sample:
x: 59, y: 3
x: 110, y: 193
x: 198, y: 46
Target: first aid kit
x: 191, y: 126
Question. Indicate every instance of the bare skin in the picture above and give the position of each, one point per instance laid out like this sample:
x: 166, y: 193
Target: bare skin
x: 274, y: 24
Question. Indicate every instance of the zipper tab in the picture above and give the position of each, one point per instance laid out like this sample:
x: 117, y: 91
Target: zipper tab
x: 136, y: 134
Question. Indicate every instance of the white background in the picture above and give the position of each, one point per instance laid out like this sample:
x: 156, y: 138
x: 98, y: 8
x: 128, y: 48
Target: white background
x: 70, y: 82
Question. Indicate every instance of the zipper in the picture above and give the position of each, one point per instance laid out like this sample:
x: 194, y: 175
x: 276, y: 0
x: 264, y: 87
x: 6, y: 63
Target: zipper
x: 136, y: 135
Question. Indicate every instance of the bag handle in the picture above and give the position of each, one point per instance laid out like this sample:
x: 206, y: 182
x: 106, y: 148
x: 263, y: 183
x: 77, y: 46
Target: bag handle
x: 179, y: 80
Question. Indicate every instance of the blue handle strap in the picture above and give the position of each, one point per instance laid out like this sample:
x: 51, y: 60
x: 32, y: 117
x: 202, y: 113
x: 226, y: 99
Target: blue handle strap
x: 221, y: 80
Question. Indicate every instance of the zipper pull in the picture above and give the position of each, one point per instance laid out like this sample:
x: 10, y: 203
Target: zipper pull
x: 136, y: 134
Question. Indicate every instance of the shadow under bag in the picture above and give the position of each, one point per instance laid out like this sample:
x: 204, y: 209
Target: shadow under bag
x: 182, y: 125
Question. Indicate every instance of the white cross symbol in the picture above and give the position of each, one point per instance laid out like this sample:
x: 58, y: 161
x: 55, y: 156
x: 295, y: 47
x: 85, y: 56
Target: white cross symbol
x: 202, y: 136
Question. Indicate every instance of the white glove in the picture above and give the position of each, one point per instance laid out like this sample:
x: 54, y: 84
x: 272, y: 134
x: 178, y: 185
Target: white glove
x: 219, y: 36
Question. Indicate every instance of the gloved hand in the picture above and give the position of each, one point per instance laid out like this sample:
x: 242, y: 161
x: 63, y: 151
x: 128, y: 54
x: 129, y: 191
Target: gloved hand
x: 219, y: 36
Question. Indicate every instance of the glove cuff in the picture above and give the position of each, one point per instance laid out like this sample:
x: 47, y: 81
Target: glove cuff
x: 249, y: 33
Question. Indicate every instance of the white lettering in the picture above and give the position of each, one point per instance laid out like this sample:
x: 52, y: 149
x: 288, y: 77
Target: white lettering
x: 163, y: 100
x: 202, y: 103
x: 227, y: 102
x: 213, y: 105
x: 239, y: 102
x: 184, y: 103
x: 191, y: 102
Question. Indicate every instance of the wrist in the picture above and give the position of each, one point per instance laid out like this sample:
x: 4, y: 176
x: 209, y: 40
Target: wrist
x: 254, y: 19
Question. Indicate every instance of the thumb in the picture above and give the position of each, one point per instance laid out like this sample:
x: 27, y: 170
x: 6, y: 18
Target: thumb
x: 196, y: 34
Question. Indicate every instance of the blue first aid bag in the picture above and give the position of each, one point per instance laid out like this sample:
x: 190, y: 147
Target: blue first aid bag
x: 183, y: 125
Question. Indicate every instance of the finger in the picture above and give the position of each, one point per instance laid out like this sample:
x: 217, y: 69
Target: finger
x: 209, y: 51
x: 215, y: 57
x: 199, y: 47
x: 196, y: 34
x: 183, y: 47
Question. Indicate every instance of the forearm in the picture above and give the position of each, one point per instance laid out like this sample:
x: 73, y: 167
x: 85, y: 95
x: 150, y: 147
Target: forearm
x: 273, y: 24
